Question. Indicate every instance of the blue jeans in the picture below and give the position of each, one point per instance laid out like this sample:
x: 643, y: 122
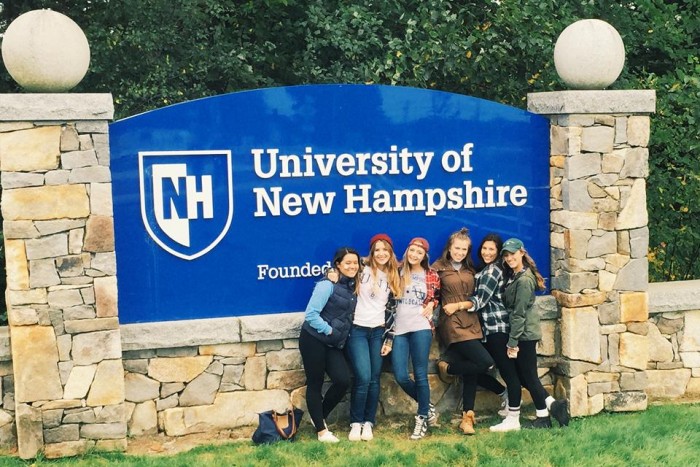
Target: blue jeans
x: 364, y: 352
x: 417, y: 344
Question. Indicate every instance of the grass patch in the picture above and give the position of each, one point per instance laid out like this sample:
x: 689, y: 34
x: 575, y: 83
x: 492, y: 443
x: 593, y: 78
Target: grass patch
x: 668, y: 434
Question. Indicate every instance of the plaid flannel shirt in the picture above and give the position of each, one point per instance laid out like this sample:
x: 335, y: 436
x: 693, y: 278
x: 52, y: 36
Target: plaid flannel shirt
x: 488, y: 301
x: 432, y: 285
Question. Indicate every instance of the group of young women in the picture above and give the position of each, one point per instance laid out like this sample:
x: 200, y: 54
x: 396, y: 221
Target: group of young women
x: 357, y: 315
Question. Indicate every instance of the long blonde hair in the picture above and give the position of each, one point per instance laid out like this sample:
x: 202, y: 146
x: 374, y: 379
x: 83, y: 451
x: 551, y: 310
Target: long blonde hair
x: 392, y: 269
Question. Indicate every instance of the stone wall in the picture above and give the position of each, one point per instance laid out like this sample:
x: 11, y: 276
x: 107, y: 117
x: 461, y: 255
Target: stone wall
x: 67, y: 375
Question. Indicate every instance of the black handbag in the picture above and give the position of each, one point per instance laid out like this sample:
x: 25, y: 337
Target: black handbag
x: 273, y: 426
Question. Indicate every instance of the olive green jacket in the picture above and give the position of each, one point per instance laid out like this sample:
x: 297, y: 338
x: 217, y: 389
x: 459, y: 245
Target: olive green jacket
x: 519, y: 298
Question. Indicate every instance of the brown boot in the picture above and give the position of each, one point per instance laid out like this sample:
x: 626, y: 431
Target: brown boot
x: 467, y: 425
x: 445, y: 377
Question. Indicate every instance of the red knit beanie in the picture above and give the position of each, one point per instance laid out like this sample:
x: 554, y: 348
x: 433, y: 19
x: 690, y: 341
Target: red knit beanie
x: 383, y: 237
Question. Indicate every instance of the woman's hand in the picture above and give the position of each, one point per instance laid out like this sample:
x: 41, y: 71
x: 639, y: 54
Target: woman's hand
x: 512, y: 352
x: 450, y: 308
x: 332, y: 275
x: 386, y: 349
x: 428, y: 310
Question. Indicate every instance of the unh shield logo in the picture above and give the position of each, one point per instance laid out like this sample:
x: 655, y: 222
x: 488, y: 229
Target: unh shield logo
x: 186, y: 199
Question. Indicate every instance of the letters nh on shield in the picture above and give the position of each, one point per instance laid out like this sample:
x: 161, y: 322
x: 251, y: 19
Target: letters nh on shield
x: 186, y: 199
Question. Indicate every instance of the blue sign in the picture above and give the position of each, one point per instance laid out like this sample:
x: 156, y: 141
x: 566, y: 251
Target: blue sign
x: 233, y: 205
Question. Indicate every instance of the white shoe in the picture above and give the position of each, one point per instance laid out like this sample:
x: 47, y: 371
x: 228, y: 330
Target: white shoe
x: 367, y: 434
x: 356, y: 430
x: 432, y: 416
x: 328, y: 437
x: 503, y: 410
x: 421, y: 428
x: 510, y: 423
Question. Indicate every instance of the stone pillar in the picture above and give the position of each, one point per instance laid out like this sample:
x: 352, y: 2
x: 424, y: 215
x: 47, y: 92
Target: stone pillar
x: 61, y: 273
x: 599, y: 241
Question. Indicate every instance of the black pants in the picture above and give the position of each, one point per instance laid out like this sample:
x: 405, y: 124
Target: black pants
x: 526, y: 365
x: 471, y: 361
x: 320, y: 359
x: 496, y: 344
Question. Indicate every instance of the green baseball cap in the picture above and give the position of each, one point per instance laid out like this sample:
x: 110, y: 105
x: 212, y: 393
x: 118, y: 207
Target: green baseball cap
x: 512, y: 245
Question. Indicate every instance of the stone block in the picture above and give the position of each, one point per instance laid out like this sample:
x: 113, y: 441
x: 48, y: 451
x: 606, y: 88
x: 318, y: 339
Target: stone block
x: 103, y: 431
x: 178, y: 369
x: 631, y: 401
x: 35, y: 358
x: 284, y: 360
x: 597, y: 139
x: 67, y: 432
x: 691, y: 332
x: 639, y: 242
x: 633, y: 381
x: 140, y: 388
x: 634, y: 276
x: 106, y: 296
x: 596, y: 404
x: 576, y: 243
x: 600, y: 245
x: 200, y: 391
x: 81, y: 415
x: 281, y: 326
x: 111, y: 445
x: 108, y: 385
x: 606, y: 281
x: 45, y: 203
x: 693, y: 387
x: 614, y: 262
x: 69, y: 138
x: 636, y: 163
x: 75, y: 159
x: 94, y: 347
x: 289, y: 379
x: 634, y: 211
x: 667, y: 383
x: 267, y: 346
x: 30, y: 436
x: 144, y: 420
x: 99, y: 234
x: 67, y: 449
x: 580, y: 334
x: 229, y: 410
x: 634, y: 306
x: 638, y: 130
x: 634, y: 351
x: 167, y: 389
x: 101, y: 199
x: 575, y: 196
x: 547, y: 345
x: 255, y: 373
x: 660, y: 348
x: 242, y: 349
x: 50, y: 418
x: 110, y: 413
x: 35, y: 149
x: 79, y: 382
x: 90, y: 325
x: 574, y: 220
x: 595, y: 389
x: 16, y: 265
x: 690, y: 359
x: 578, y: 396
x: 186, y: 333
x: 612, y: 162
x: 97, y: 174
x: 576, y: 282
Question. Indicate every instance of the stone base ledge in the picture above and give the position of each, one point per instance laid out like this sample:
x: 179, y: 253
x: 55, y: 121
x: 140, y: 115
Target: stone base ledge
x: 592, y: 102
x: 58, y: 107
x: 665, y: 297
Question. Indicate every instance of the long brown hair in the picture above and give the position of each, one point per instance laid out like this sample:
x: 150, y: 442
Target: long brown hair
x: 340, y: 253
x: 529, y: 263
x: 406, y: 268
x: 392, y: 269
x: 461, y: 234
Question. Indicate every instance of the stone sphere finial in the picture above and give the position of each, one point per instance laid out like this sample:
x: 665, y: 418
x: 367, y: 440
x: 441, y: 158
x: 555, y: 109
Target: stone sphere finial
x: 589, y: 54
x: 45, y: 51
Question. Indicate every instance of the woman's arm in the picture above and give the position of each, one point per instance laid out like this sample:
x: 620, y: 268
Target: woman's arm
x: 318, y: 300
x: 389, y: 324
x: 524, y: 290
x: 487, y: 286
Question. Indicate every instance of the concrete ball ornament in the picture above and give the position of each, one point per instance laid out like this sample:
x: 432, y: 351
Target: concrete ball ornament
x: 45, y: 51
x: 589, y: 54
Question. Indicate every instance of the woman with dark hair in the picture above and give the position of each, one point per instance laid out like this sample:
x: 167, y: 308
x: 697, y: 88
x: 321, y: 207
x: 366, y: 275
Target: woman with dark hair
x: 326, y: 326
x: 459, y: 328
x: 488, y: 303
x: 521, y: 280
x: 410, y: 331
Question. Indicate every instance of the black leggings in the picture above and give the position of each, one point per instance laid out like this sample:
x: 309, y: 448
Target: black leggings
x: 319, y: 359
x: 526, y: 366
x: 496, y: 345
x: 471, y: 361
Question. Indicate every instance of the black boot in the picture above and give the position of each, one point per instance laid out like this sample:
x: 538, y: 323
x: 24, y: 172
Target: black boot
x: 560, y: 411
x: 542, y: 422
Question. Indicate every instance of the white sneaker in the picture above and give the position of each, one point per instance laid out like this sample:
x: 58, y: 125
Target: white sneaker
x: 432, y: 416
x: 328, y: 437
x: 510, y: 423
x: 503, y: 411
x: 367, y: 434
x: 421, y: 428
x: 356, y: 430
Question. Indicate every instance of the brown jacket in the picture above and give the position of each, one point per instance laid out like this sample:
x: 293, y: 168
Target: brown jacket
x: 456, y: 286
